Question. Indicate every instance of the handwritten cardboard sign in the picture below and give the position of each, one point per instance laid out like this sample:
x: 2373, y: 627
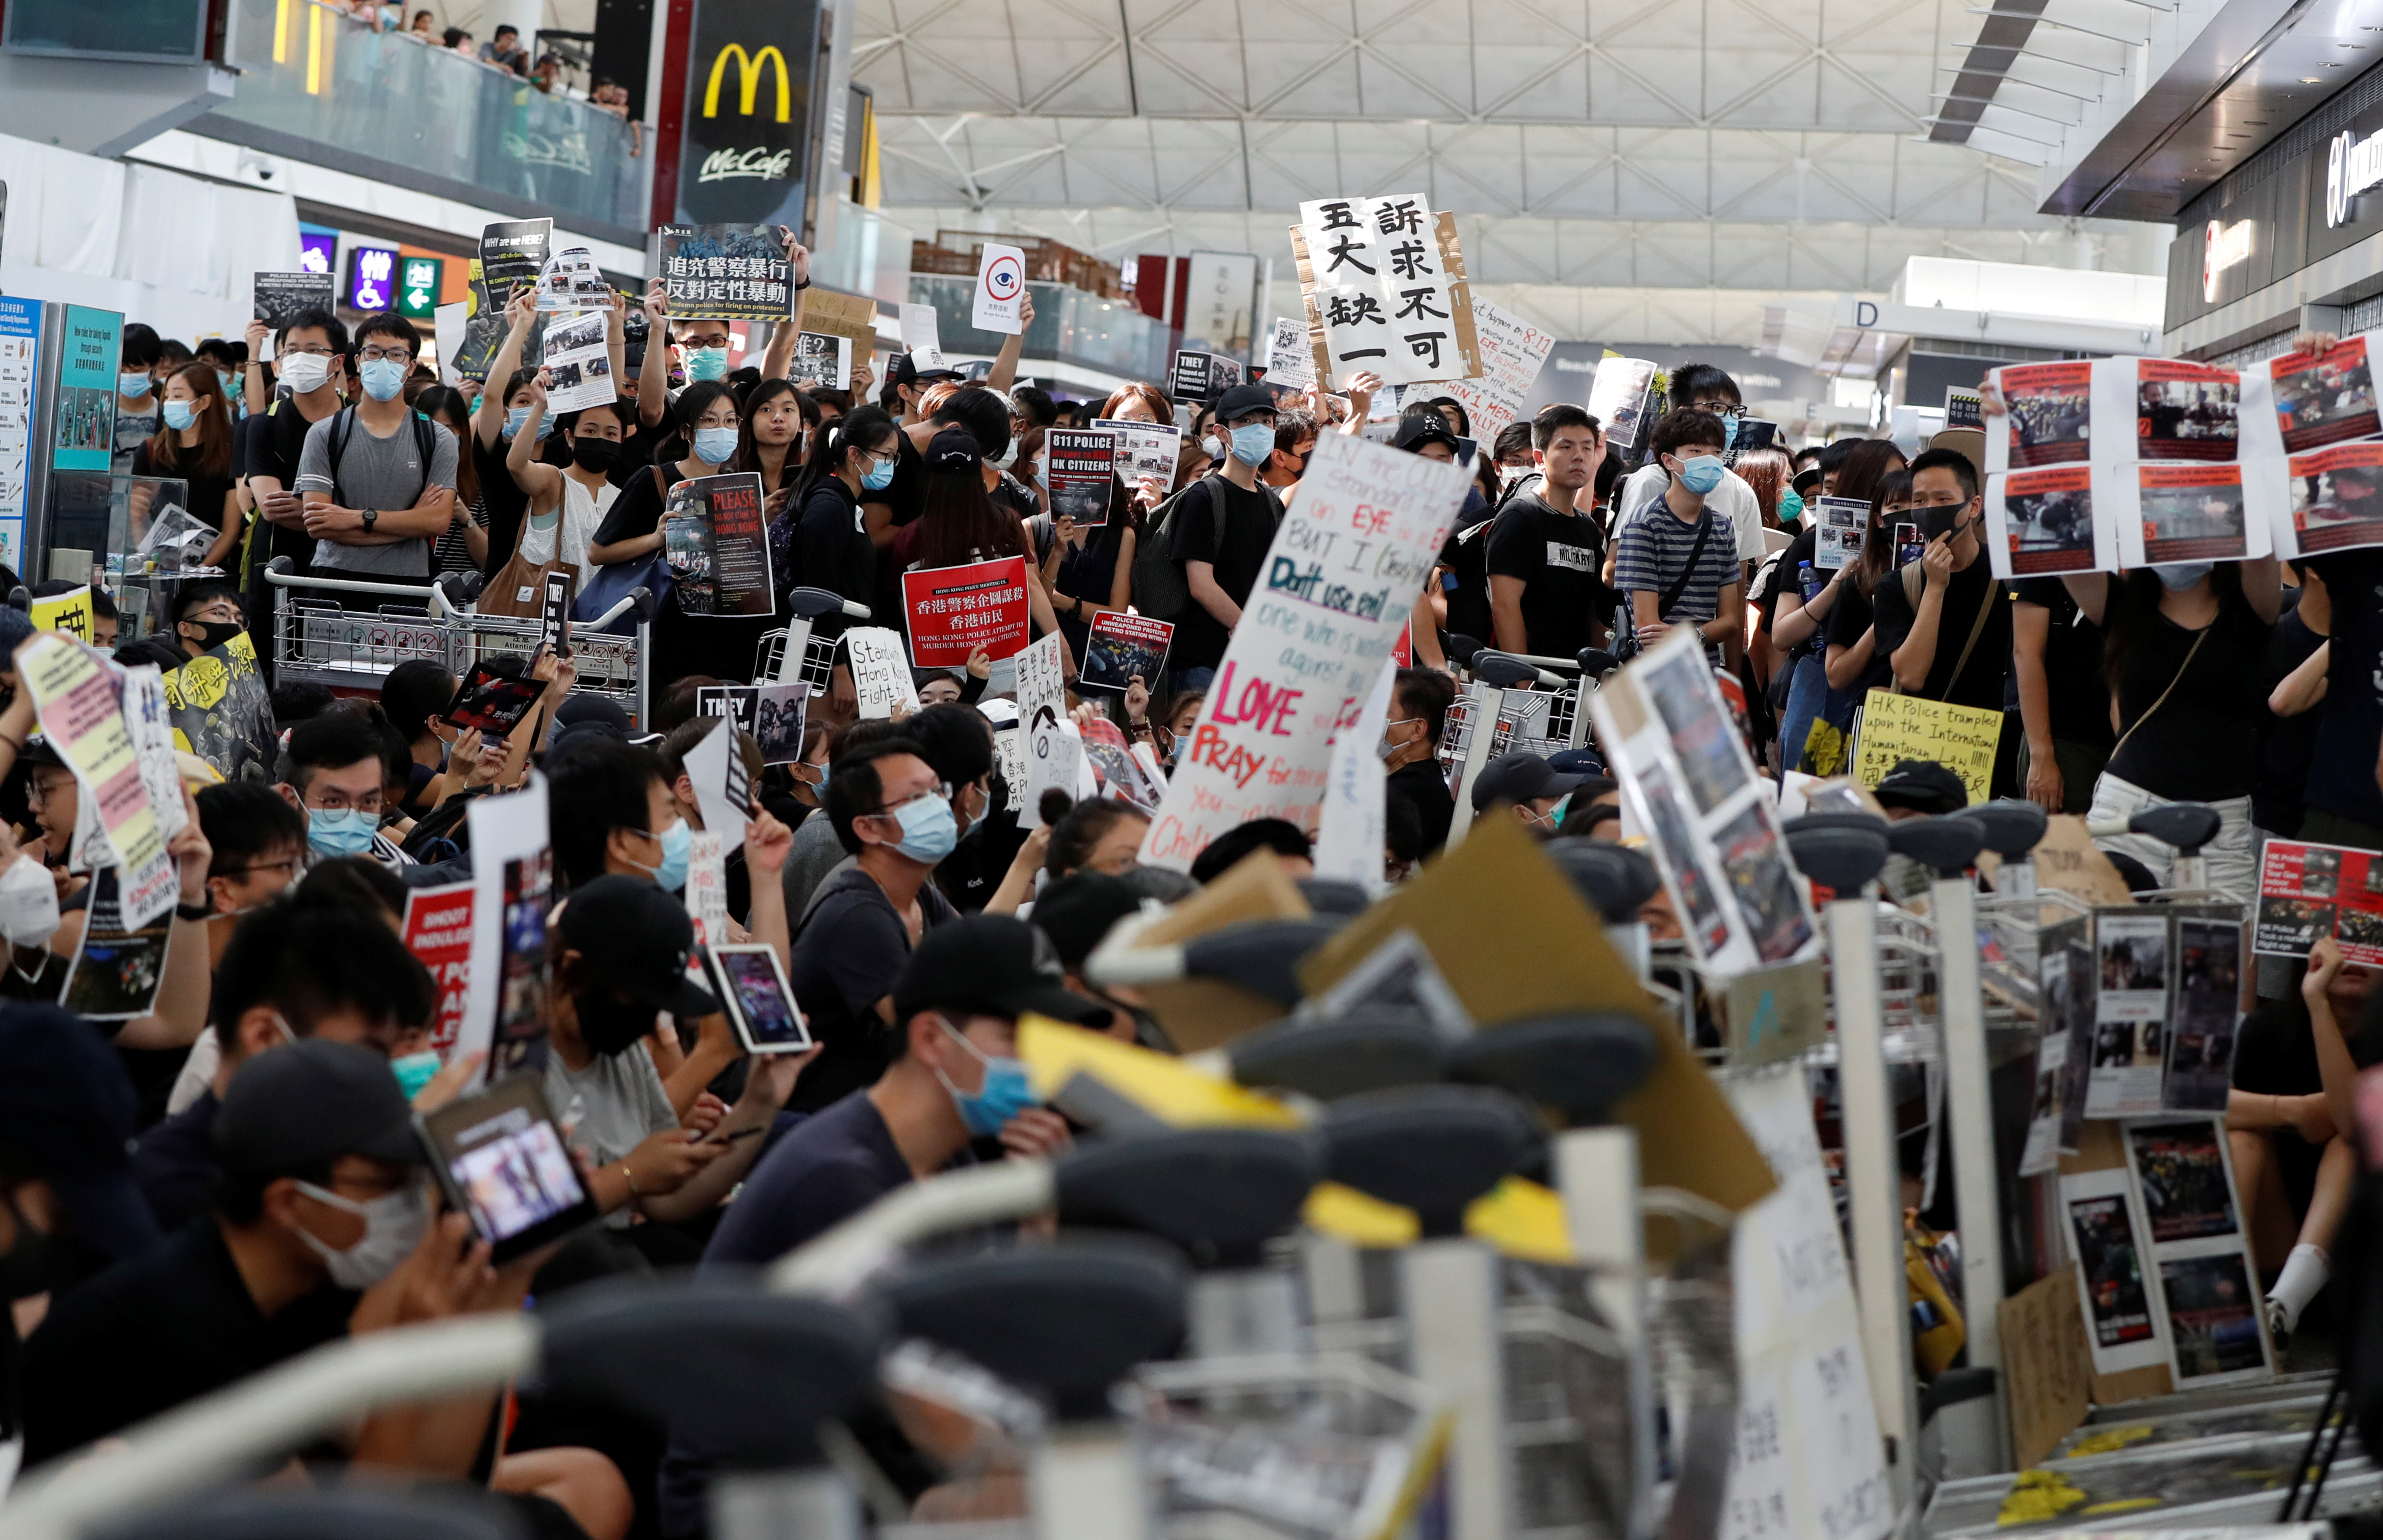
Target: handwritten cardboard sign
x: 1960, y: 738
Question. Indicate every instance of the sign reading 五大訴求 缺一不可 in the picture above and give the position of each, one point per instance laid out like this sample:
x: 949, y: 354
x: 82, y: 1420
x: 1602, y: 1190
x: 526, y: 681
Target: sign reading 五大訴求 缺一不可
x: 747, y: 112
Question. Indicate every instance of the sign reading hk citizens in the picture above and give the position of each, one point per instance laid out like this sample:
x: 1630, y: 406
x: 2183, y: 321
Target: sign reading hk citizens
x: 748, y: 94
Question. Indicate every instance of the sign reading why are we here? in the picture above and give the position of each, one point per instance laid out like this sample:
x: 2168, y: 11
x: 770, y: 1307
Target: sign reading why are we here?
x: 1339, y: 580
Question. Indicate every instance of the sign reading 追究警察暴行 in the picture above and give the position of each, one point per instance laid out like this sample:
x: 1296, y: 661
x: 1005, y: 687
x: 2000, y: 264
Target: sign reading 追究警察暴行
x: 746, y: 117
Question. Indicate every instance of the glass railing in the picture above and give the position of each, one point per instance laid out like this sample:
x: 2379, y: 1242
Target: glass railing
x: 310, y: 71
x: 1071, y: 326
x: 868, y: 254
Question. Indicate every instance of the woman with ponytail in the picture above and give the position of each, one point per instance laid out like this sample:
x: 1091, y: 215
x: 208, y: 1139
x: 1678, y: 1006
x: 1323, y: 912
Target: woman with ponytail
x: 567, y: 503
x: 821, y: 541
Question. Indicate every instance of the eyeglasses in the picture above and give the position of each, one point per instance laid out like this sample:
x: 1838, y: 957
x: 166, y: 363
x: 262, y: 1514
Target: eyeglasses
x: 220, y: 611
x: 376, y: 355
x: 311, y: 350
x: 38, y: 791
x: 290, y: 864
x: 942, y: 789
x: 336, y: 801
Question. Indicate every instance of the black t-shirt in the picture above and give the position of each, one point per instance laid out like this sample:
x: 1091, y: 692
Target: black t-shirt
x: 2072, y: 666
x: 1849, y: 617
x: 155, y: 1332
x: 275, y: 453
x: 1238, y: 552
x: 2202, y: 742
x: 1466, y: 584
x: 723, y: 646
x: 501, y: 500
x: 833, y: 550
x: 2349, y: 722
x: 1785, y: 577
x: 203, y: 496
x: 2289, y: 750
x: 1560, y: 558
x: 846, y: 956
x: 969, y: 874
x: 1980, y: 683
x: 175, y: 1164
x: 1426, y: 785
x: 246, y: 435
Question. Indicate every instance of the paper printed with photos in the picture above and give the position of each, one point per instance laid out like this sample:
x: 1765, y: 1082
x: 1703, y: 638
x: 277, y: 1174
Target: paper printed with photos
x: 1145, y: 449
x: 718, y: 551
x: 2132, y: 967
x: 2047, y: 417
x: 2207, y: 1286
x: 513, y: 881
x: 1711, y: 826
x: 2165, y: 408
x: 2114, y: 1272
x: 1512, y: 353
x: 280, y: 298
x: 725, y: 272
x: 1383, y: 281
x: 1289, y: 361
x: 2203, y: 1022
x: 1118, y: 645
x: 2166, y: 513
x: 822, y: 362
x: 2040, y: 523
x: 2337, y: 501
x: 1808, y: 1457
x: 1618, y: 399
x: 2072, y: 940
x: 1080, y: 465
x: 778, y: 713
x: 1839, y: 527
x: 2308, y: 891
x: 2054, y: 1004
x: 118, y: 968
x: 1119, y: 773
x: 2313, y: 399
x: 221, y: 712
x: 578, y: 362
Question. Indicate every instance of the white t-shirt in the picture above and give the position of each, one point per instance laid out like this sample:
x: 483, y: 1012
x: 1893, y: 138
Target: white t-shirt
x: 1732, y: 498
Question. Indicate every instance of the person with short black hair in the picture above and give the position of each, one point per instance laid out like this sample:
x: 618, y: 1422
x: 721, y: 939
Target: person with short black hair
x: 378, y: 478
x: 1221, y: 528
x: 1676, y: 562
x: 1546, y: 555
x: 611, y: 813
x: 1943, y: 622
x: 259, y: 843
x: 1287, y: 840
x: 1101, y: 834
x: 1533, y: 789
x: 1706, y: 390
x: 1419, y: 703
x: 333, y: 772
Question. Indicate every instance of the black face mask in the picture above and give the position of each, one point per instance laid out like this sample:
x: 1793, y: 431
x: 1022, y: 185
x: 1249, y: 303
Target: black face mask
x: 214, y: 632
x: 596, y: 455
x: 611, y: 1027
x: 1938, y: 520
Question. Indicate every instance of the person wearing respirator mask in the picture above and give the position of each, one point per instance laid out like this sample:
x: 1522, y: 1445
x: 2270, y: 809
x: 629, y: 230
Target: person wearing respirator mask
x: 331, y: 771
x: 1675, y: 561
x: 307, y: 362
x: 567, y: 504
x: 1419, y: 703
x: 140, y: 355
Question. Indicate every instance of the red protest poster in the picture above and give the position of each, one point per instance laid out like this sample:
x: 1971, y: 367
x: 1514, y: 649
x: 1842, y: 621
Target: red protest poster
x: 1121, y: 645
x: 438, y: 933
x: 2308, y: 891
x: 954, y: 611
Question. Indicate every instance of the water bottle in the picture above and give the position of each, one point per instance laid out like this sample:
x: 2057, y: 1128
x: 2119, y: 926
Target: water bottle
x: 1809, y: 581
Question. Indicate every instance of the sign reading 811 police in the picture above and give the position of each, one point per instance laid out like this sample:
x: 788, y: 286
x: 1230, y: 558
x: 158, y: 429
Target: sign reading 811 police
x: 747, y: 112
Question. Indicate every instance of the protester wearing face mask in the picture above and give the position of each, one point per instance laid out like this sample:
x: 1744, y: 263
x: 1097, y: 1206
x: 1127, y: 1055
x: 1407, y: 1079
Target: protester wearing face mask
x: 331, y: 771
x: 828, y: 546
x: 567, y: 505
x: 498, y: 419
x: 1078, y: 912
x: 1947, y: 626
x: 137, y: 417
x: 206, y: 615
x: 193, y: 444
x: 378, y: 479
x: 1528, y: 788
x: 612, y: 814
x: 1675, y: 562
x: 960, y: 523
x: 1419, y: 703
x: 1706, y: 389
x: 309, y: 360
x: 1226, y: 524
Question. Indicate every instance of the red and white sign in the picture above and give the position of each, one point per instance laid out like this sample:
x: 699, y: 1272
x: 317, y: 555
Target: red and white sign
x: 1000, y: 285
x: 954, y: 611
x: 2308, y: 891
x: 438, y: 933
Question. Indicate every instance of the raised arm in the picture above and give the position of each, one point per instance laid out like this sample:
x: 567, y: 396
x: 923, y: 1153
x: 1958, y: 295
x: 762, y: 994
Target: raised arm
x: 780, y: 356
x: 521, y: 313
x: 1004, y: 373
x: 653, y: 379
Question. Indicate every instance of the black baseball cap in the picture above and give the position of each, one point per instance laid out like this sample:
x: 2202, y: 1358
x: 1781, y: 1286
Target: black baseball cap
x: 993, y: 965
x: 908, y: 372
x: 1243, y: 399
x: 1577, y: 761
x: 309, y: 1102
x: 1520, y: 777
x: 1078, y: 911
x: 633, y: 937
x: 1418, y: 428
x: 39, y: 750
x: 1808, y: 482
x: 67, y: 1107
x: 1922, y: 786
x: 954, y: 450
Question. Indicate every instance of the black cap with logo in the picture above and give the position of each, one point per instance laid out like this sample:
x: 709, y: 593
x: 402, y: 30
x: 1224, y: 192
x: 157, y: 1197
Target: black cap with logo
x: 306, y: 1104
x: 636, y: 937
x: 1242, y: 400
x: 1520, y: 777
x: 992, y: 964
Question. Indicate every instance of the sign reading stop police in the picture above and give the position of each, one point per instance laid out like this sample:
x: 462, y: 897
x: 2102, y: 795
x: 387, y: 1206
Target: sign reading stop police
x: 1000, y: 287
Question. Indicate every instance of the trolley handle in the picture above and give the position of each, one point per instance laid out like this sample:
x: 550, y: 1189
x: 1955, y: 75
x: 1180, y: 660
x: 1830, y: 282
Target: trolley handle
x: 1508, y: 670
x: 281, y: 575
x: 455, y: 593
x: 812, y: 603
x: 639, y: 599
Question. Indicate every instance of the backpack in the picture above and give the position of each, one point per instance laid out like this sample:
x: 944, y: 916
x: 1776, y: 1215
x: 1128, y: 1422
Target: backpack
x: 1160, y: 588
x: 426, y: 439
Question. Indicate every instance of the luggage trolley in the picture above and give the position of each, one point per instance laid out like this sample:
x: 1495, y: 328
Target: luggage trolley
x: 1528, y: 703
x: 814, y: 654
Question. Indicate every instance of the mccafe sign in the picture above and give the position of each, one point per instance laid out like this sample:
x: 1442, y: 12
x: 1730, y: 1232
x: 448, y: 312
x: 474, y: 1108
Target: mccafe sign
x: 746, y: 124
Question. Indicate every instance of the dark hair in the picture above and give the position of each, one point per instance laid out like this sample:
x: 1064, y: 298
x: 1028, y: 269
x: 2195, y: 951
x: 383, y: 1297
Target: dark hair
x: 195, y: 594
x: 601, y: 786
x: 227, y: 350
x: 1076, y: 834
x: 213, y: 421
x: 140, y: 348
x: 455, y: 35
x: 309, y: 955
x: 360, y: 883
x: 1949, y: 460
x: 1878, y: 540
x: 1832, y: 455
x: 1402, y: 825
x: 1464, y: 418
x: 688, y: 410
x: 853, y: 736
x: 982, y: 412
x: 959, y: 523
x: 389, y: 323
x: 1515, y: 438
x: 1429, y: 694
x: 1148, y: 395
x: 502, y: 27
x: 333, y: 330
x: 329, y: 741
x: 856, y: 790
x: 1552, y: 419
x: 1039, y: 408
x: 448, y: 407
x: 955, y: 740
x: 415, y: 691
x: 1685, y: 426
x: 748, y: 449
x: 859, y: 428
x: 243, y: 819
x: 1691, y: 380
x: 1290, y: 427
x: 1227, y: 850
x: 173, y: 352
x: 676, y: 705
x: 296, y: 700
x: 2131, y: 614
x: 1864, y: 464
x: 1577, y: 818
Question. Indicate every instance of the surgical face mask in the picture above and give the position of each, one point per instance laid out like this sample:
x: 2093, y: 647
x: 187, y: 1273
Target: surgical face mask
x: 1253, y: 442
x: 179, y: 414
x: 414, y: 1071
x: 29, y: 903
x: 382, y: 378
x: 929, y: 832
x: 1790, y: 506
x: 516, y: 415
x: 676, y: 841
x: 2176, y: 580
x: 1007, y: 1090
x: 215, y: 633
x: 394, y: 1224
x: 1008, y: 457
x: 715, y: 445
x: 340, y: 831
x: 595, y: 455
x: 1935, y: 519
x: 1389, y: 744
x: 878, y: 476
x: 704, y: 363
x: 1728, y: 430
x: 134, y: 386
x: 304, y: 372
x: 610, y: 1026
x: 223, y: 377
x: 1702, y: 473
x: 1215, y: 445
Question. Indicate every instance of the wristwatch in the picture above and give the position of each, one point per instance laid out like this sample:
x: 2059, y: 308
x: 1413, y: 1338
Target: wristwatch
x: 194, y: 911
x: 371, y: 515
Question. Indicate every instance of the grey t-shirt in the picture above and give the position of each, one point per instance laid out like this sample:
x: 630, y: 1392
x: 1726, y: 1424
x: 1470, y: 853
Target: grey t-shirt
x: 611, y: 1107
x: 382, y: 474
x: 814, y: 855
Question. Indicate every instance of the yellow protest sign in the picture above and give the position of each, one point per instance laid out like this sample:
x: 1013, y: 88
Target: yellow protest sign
x: 1960, y: 738
x: 70, y: 612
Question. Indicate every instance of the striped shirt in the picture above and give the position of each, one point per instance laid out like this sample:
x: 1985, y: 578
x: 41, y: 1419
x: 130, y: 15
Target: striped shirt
x: 1654, y: 553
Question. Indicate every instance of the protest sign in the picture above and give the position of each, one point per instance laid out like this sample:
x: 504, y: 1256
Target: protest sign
x: 709, y: 766
x: 512, y: 251
x: 118, y: 965
x: 2122, y: 1332
x: 707, y: 891
x: 2047, y: 417
x: 2300, y: 401
x: 1010, y: 756
x: 491, y: 701
x: 280, y: 298
x: 718, y: 551
x: 1145, y: 449
x: 1776, y: 1013
x: 2165, y: 409
x: 448, y: 326
x: 2130, y: 993
x: 1120, y: 645
x: 1839, y: 526
x: 569, y: 279
x: 1384, y: 285
x: 554, y: 610
x: 1960, y: 738
x: 2335, y: 500
x: 1054, y: 761
x: 578, y: 362
x: 919, y: 336
x: 1116, y: 772
x: 778, y: 713
x: 2183, y: 1179
x: 881, y: 675
x: 1340, y: 579
x: 823, y: 360
x: 1512, y: 353
x: 1041, y: 677
x: 153, y: 745
x: 1000, y: 286
x: 1965, y: 409
x: 221, y: 712
x: 510, y: 973
x: 438, y: 933
x: 741, y: 703
x: 1198, y: 377
x: 2055, y: 999
x: 954, y: 611
x: 2200, y: 1035
x: 725, y: 272
x: 1808, y: 1459
x: 70, y: 612
x: 851, y: 316
x: 1080, y: 465
x: 80, y: 701
x: 2310, y: 891
x: 1712, y: 829
x: 1350, y: 834
x: 472, y: 356
x: 2043, y: 522
x: 2171, y: 514
x: 1618, y: 397
x: 1289, y: 361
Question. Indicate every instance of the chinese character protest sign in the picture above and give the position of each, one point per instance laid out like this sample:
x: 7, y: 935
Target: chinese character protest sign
x: 1383, y: 280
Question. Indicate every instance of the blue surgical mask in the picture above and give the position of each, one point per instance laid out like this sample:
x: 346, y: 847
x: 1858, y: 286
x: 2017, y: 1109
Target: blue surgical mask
x: 1006, y: 1091
x: 134, y: 386
x: 179, y: 414
x: 341, y: 830
x: 414, y: 1071
x: 1790, y: 506
x: 515, y: 416
x: 880, y: 477
x: 929, y: 830
x: 1702, y: 474
x: 677, y: 842
x: 1253, y: 442
x: 704, y: 363
x: 715, y: 445
x: 382, y: 378
x: 1728, y: 430
x: 223, y: 377
x: 2179, y: 578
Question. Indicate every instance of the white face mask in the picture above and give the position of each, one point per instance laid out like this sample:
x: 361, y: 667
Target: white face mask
x: 29, y: 903
x: 394, y: 1224
x: 304, y: 372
